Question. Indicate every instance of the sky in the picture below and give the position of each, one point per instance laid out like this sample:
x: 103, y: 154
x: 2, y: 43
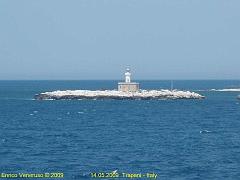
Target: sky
x: 98, y: 39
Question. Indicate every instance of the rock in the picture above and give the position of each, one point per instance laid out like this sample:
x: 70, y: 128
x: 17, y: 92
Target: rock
x: 114, y: 94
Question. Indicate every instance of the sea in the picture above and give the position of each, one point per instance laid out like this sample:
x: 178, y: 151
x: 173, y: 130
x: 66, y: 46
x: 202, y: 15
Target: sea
x: 174, y: 139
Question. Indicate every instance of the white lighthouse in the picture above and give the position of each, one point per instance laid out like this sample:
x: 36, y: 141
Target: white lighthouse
x: 127, y: 76
x: 128, y: 86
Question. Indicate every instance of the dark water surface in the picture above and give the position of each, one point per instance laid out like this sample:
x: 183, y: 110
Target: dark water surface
x: 177, y: 139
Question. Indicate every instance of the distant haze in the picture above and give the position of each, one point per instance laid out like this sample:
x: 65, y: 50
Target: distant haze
x: 98, y: 39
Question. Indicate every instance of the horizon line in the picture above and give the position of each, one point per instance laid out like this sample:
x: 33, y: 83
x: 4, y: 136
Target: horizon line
x: 119, y: 80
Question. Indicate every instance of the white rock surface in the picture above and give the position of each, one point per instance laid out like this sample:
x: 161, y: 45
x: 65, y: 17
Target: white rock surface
x: 114, y: 94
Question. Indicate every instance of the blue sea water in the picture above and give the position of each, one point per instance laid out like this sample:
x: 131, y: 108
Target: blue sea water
x: 176, y: 139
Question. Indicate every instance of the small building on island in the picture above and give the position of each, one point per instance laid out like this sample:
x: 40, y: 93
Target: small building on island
x: 128, y: 86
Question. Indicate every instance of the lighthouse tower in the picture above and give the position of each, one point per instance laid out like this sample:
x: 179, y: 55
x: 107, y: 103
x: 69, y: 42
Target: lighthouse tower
x: 128, y: 86
x: 127, y: 76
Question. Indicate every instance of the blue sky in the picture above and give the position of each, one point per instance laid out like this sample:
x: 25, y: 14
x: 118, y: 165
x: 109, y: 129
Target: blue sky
x: 98, y: 39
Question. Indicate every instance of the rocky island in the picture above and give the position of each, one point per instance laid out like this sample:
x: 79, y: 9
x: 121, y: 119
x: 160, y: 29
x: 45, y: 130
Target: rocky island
x: 126, y: 90
x: 115, y: 94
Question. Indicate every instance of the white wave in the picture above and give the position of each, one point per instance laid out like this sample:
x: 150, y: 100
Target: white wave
x: 19, y: 99
x: 227, y: 90
x: 205, y: 131
x: 219, y: 90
